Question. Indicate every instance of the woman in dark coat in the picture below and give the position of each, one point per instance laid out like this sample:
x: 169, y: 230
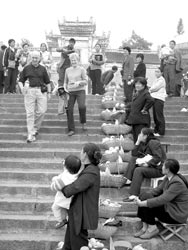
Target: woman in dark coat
x: 168, y: 202
x: 83, y: 212
x: 139, y: 116
x: 139, y: 166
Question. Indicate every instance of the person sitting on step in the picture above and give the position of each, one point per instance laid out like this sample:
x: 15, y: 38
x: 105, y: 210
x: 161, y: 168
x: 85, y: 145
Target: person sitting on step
x: 147, y: 159
x: 72, y: 167
x: 168, y: 202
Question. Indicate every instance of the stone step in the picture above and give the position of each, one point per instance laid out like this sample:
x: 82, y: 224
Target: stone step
x: 40, y: 240
x: 21, y: 189
x: 40, y: 163
x: 91, y: 130
x: 62, y: 137
x: 24, y: 222
x: 181, y: 117
x: 42, y: 144
x: 51, y: 123
x: 42, y: 205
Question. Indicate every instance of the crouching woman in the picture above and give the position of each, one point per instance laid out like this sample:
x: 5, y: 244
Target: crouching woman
x: 168, y: 202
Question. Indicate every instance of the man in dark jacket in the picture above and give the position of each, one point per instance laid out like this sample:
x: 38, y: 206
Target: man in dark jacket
x: 141, y: 67
x: 11, y: 63
x: 2, y: 77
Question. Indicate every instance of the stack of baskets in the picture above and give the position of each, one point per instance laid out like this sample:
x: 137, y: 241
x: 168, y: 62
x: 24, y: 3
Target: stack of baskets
x: 107, y: 209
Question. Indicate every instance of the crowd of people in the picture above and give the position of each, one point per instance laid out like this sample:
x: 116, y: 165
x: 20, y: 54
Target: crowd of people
x: 78, y: 186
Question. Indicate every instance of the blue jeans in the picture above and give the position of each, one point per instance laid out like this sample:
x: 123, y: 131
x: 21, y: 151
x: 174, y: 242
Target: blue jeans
x: 80, y: 97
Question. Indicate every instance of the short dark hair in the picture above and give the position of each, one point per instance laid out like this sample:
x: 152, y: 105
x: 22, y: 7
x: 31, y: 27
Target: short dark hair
x: 93, y: 152
x: 127, y: 48
x: 23, y: 45
x: 72, y: 40
x: 114, y: 68
x: 72, y: 164
x: 147, y: 131
x: 140, y: 55
x: 172, y: 41
x: 3, y: 47
x: 10, y: 40
x: 45, y: 45
x: 140, y: 79
x: 173, y: 165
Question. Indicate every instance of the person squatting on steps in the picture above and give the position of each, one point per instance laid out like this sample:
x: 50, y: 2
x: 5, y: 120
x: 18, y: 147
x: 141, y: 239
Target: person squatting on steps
x: 34, y: 83
x: 75, y: 83
x: 138, y: 116
x: 147, y: 160
x: 168, y: 202
x: 71, y: 170
x: 83, y: 212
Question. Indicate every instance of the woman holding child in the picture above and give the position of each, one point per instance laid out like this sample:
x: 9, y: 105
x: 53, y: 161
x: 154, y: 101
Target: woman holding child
x: 83, y: 212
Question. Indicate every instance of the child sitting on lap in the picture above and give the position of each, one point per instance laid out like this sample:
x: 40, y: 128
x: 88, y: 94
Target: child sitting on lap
x: 72, y: 168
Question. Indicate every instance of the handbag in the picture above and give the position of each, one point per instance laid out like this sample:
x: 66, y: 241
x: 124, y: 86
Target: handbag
x: 11, y: 64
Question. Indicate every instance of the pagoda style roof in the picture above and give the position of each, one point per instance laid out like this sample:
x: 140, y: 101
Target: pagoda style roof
x: 77, y: 28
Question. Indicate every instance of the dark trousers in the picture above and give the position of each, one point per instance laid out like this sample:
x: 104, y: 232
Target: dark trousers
x: 137, y: 174
x: 170, y: 78
x: 80, y: 97
x: 158, y: 116
x: 128, y: 91
x: 1, y: 81
x: 10, y: 80
x: 73, y: 241
x: 148, y: 215
x: 97, y: 86
x: 61, y: 73
x: 136, y: 129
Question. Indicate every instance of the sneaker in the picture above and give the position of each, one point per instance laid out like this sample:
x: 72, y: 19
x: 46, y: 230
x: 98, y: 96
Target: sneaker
x: 184, y: 110
x: 60, y: 245
x: 31, y: 138
x: 61, y: 224
x: 157, y: 134
x: 70, y: 133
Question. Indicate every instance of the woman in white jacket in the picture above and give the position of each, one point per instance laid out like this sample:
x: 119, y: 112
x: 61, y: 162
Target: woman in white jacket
x: 158, y: 92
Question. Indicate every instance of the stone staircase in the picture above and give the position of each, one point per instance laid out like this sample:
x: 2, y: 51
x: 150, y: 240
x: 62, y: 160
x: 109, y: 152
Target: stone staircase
x: 26, y: 170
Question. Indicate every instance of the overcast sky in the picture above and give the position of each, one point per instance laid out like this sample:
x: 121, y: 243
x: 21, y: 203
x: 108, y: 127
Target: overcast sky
x: 154, y: 20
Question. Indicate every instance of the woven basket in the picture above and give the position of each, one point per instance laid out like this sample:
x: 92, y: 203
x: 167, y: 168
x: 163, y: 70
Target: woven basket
x: 106, y: 211
x: 116, y: 181
x: 109, y: 104
x: 102, y: 232
x: 127, y: 144
x: 106, y: 115
x: 112, y: 157
x: 112, y: 129
x: 125, y: 156
x: 115, y: 167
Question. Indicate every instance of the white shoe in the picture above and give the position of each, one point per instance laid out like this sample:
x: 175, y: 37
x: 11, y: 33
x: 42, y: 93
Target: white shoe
x: 156, y: 134
x: 31, y: 138
x: 133, y: 197
x: 60, y: 245
x: 184, y: 110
